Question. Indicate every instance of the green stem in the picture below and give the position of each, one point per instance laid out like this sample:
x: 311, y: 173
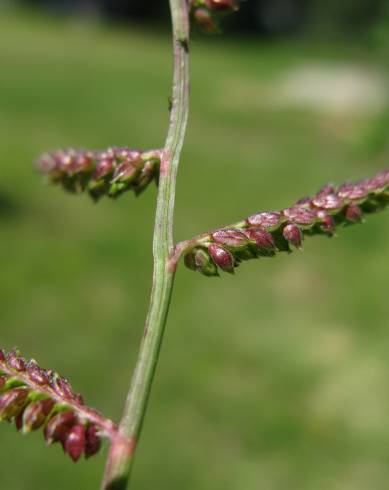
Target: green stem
x: 122, y: 449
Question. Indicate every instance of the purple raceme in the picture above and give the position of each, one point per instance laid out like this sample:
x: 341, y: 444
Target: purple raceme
x: 35, y: 398
x: 263, y: 234
x: 110, y: 172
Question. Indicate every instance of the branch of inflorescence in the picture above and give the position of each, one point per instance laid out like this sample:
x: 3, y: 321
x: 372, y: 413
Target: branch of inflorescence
x: 266, y: 233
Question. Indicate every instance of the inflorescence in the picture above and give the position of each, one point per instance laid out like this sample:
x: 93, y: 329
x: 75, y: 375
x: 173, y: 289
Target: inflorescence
x: 35, y: 398
x: 205, y: 12
x: 264, y: 234
x: 110, y: 172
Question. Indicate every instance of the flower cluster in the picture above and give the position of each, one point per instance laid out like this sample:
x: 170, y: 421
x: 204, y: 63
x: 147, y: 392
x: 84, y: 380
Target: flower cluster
x: 109, y: 172
x: 264, y: 234
x: 205, y: 11
x: 36, y: 398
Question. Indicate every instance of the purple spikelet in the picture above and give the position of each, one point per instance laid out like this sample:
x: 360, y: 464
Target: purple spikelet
x: 221, y: 257
x: 293, y: 235
x: 74, y: 443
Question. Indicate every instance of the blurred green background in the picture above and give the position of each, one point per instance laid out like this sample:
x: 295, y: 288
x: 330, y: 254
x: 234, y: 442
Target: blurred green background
x: 276, y: 378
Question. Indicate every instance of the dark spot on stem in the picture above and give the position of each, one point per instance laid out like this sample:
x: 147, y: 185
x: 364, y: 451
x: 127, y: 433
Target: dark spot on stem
x: 118, y: 484
x: 184, y: 43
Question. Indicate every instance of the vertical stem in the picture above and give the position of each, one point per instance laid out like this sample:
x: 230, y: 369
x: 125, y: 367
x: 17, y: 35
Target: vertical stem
x: 122, y: 449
